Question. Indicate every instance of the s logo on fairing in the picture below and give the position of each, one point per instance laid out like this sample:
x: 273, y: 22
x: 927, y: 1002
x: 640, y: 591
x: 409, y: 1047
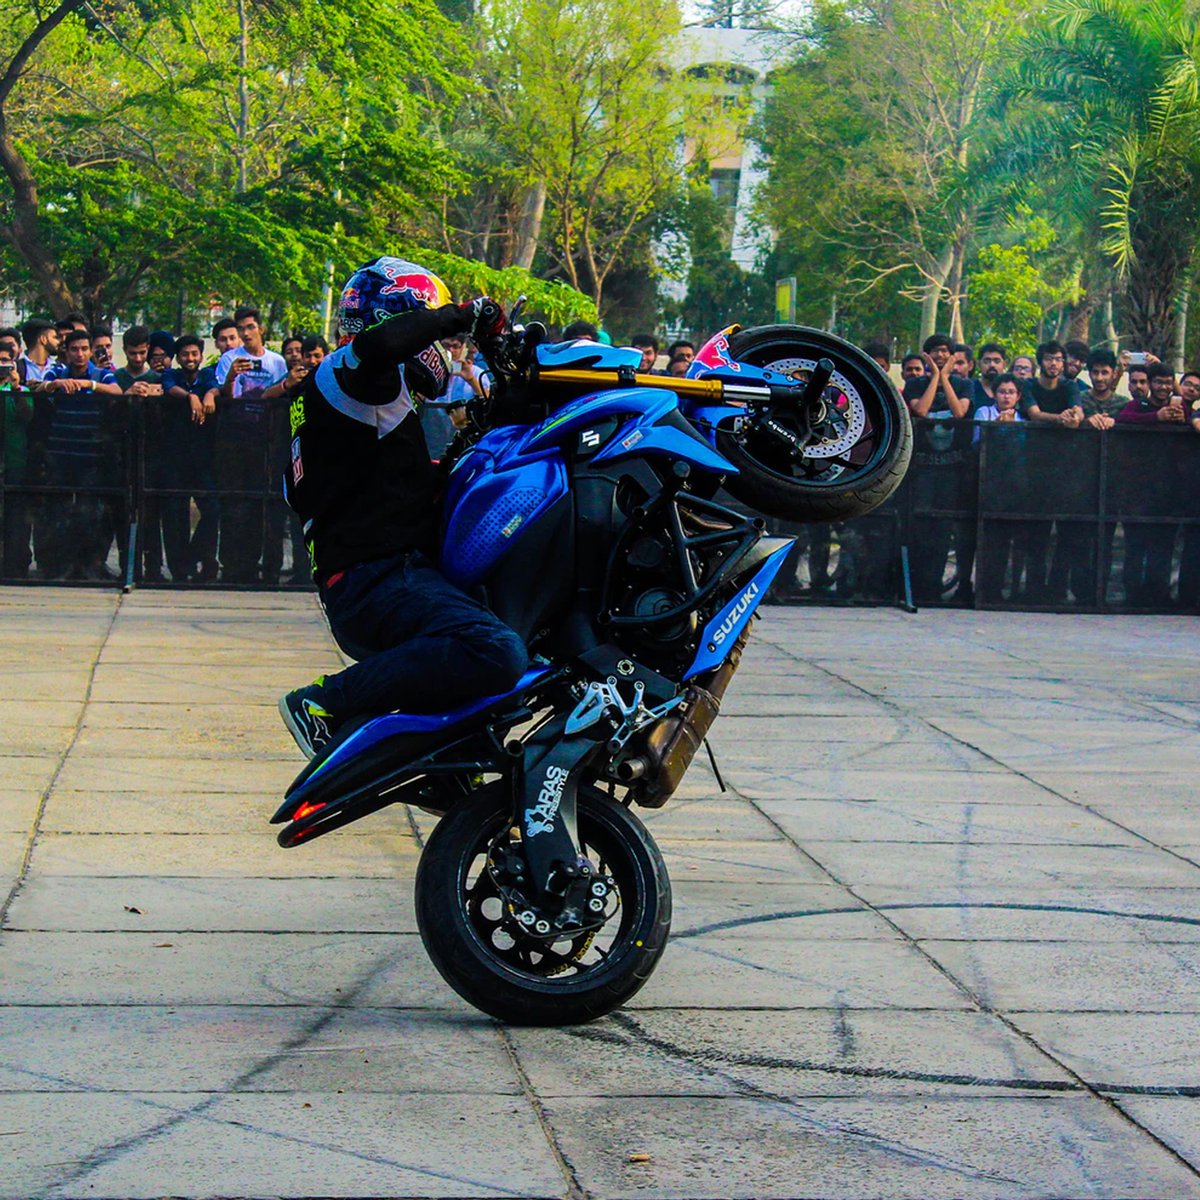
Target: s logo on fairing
x: 727, y: 626
x: 540, y: 818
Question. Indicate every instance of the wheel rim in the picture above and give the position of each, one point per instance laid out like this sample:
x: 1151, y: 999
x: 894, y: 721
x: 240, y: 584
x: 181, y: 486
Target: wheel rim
x: 569, y: 959
x: 853, y: 439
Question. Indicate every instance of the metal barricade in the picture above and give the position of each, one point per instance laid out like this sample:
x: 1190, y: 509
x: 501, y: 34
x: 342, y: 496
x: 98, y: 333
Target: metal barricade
x: 67, y: 499
x: 127, y: 490
x: 1035, y: 516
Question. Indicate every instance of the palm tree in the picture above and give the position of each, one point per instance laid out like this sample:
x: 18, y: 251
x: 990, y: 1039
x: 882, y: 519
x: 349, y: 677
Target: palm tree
x: 1113, y: 98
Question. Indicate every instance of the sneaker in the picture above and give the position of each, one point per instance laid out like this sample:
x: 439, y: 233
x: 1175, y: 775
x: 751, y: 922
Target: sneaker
x: 308, y: 721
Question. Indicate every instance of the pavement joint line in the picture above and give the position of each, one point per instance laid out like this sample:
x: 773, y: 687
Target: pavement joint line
x: 793, y: 1106
x: 575, y: 1189
x: 35, y: 828
x: 976, y: 999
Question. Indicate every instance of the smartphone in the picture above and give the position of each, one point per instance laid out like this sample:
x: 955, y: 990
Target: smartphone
x: 1138, y: 358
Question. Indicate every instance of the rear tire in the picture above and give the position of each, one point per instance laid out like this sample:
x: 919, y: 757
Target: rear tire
x: 875, y: 464
x: 504, y: 971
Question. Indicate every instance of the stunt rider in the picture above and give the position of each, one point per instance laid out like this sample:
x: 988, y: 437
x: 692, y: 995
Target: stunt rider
x: 361, y: 480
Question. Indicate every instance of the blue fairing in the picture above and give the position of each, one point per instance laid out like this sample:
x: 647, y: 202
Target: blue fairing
x: 496, y: 493
x: 665, y: 440
x: 708, y: 418
x: 394, y: 724
x: 587, y: 356
x: 726, y: 627
x: 640, y: 434
x: 515, y: 475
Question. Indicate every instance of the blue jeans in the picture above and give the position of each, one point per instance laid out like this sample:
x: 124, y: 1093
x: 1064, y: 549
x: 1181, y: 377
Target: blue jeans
x: 422, y: 645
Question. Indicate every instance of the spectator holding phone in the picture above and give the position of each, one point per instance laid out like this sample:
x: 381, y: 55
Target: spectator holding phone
x: 243, y: 374
x: 1149, y: 546
x: 102, y: 346
x: 1154, y: 401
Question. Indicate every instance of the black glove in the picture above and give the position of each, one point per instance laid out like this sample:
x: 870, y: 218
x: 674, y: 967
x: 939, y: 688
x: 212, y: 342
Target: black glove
x: 486, y: 316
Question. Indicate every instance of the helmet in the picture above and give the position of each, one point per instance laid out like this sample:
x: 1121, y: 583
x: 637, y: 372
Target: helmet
x: 383, y: 287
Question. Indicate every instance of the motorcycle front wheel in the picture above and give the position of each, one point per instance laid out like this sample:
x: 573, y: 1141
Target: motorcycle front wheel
x: 860, y: 448
x: 508, y: 971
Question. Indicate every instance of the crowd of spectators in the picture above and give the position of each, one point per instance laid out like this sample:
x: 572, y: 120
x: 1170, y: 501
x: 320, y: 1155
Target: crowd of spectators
x: 214, y: 435
x: 956, y: 389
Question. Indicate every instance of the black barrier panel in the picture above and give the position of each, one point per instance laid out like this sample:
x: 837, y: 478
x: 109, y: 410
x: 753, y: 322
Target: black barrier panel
x: 846, y: 562
x: 1025, y: 515
x: 67, y: 494
x: 1152, y: 472
x: 211, y: 501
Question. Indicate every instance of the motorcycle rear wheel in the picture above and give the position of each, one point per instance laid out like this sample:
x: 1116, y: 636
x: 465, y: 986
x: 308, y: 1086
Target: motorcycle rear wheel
x: 513, y: 975
x: 855, y: 467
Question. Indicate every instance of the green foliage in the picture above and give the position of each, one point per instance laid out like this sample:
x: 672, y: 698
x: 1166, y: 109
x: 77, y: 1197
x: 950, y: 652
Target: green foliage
x: 1012, y: 286
x: 574, y: 107
x: 1112, y: 108
x: 172, y: 177
x: 719, y: 292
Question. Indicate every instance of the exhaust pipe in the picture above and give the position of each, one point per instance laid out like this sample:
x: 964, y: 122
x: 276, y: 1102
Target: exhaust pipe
x: 673, y: 742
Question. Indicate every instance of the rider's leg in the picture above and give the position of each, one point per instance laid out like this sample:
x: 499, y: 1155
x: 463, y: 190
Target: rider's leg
x: 423, y: 645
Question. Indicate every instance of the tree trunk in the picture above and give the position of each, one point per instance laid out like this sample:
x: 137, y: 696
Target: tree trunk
x: 24, y: 230
x: 1148, y: 308
x: 954, y: 284
x: 529, y: 227
x: 243, y: 132
x: 1110, y: 328
x: 1079, y: 324
x: 935, y: 281
x: 1179, y: 350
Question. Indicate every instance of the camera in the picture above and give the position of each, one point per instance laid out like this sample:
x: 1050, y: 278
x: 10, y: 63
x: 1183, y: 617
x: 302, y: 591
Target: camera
x: 7, y: 368
x: 1138, y: 358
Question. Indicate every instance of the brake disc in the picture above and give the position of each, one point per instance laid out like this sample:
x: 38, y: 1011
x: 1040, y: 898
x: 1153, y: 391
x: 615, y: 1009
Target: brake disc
x: 854, y: 415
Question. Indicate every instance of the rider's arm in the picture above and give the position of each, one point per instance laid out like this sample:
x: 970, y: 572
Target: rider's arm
x: 376, y: 352
x: 924, y: 402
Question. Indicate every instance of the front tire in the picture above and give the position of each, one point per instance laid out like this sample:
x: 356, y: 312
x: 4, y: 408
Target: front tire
x: 863, y: 454
x: 507, y: 972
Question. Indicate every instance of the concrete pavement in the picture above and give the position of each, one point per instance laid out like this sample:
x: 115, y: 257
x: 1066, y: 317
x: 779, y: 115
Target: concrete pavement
x: 942, y: 939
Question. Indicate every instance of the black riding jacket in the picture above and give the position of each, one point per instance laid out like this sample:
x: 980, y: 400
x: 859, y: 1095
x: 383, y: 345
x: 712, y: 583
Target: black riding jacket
x: 359, y: 473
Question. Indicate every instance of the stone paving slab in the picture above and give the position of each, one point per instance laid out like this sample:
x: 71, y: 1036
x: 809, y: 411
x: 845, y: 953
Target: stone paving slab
x: 137, y: 1145
x: 958, y: 822
x: 917, y: 1148
x: 940, y: 939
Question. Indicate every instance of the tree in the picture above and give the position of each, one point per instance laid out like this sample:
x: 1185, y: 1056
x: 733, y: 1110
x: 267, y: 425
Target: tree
x: 1010, y: 293
x: 577, y: 96
x: 176, y: 154
x: 1114, y: 89
x: 879, y: 131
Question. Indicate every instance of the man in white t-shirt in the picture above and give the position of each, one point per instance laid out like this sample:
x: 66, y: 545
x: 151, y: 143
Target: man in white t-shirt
x: 243, y: 373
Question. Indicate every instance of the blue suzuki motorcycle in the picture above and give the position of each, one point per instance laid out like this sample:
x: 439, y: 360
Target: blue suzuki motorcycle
x: 585, y: 507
